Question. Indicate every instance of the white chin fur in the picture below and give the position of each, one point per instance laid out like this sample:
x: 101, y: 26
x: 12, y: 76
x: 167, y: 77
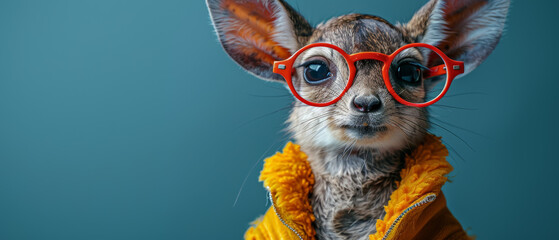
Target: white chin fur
x: 387, y: 141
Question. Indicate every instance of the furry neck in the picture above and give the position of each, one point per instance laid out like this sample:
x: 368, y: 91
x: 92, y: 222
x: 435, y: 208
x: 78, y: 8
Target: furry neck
x: 291, y: 181
x: 351, y: 189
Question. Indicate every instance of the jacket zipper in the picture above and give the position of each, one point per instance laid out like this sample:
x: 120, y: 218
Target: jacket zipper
x: 280, y: 218
x: 429, y: 198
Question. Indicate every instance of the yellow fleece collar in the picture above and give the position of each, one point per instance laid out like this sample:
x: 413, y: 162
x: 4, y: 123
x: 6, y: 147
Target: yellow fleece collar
x: 289, y: 178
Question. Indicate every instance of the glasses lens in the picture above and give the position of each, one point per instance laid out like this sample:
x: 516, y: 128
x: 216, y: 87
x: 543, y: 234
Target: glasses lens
x: 418, y: 74
x: 320, y: 74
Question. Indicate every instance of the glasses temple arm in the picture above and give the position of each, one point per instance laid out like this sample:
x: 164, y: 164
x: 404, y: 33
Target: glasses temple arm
x: 435, y: 71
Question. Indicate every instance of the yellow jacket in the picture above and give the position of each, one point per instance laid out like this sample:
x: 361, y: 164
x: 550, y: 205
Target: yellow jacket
x: 416, y: 210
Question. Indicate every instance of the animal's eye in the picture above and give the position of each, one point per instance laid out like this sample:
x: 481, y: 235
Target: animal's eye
x: 409, y: 72
x: 317, y: 72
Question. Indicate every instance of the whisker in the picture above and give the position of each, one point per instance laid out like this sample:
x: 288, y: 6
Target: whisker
x: 458, y: 127
x: 464, y: 94
x: 252, y: 169
x: 270, y: 96
x: 450, y: 147
x: 451, y: 132
x: 453, y: 150
x: 263, y: 116
x: 452, y: 107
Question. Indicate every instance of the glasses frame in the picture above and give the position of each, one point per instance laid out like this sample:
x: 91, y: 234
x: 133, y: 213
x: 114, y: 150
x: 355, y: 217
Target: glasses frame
x: 450, y: 67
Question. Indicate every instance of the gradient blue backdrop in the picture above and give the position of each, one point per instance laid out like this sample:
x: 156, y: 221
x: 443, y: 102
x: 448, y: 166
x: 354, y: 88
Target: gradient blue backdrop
x: 126, y: 120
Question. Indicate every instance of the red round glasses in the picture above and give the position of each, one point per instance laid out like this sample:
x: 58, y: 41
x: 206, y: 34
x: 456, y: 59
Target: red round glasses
x: 416, y: 74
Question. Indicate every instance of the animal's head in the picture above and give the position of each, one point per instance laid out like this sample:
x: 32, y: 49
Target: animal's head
x: 256, y: 33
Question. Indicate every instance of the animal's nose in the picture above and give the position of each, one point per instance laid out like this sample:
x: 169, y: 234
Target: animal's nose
x: 367, y: 104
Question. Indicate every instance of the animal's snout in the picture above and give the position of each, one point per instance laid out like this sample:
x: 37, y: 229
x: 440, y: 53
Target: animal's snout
x: 367, y: 104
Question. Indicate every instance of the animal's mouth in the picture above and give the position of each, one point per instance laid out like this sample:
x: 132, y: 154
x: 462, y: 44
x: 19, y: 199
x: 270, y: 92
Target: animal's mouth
x: 364, y: 130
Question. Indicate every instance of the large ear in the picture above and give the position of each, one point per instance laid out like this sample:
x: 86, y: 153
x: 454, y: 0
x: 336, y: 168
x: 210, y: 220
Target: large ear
x: 255, y: 33
x: 465, y: 30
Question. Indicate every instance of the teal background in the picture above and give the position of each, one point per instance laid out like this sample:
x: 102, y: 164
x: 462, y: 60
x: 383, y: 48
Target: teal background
x: 126, y: 120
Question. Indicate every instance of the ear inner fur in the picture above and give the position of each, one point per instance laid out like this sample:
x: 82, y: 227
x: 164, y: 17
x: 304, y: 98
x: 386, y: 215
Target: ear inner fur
x: 466, y: 30
x: 456, y: 13
x: 259, y: 24
x: 252, y: 27
x: 255, y: 33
